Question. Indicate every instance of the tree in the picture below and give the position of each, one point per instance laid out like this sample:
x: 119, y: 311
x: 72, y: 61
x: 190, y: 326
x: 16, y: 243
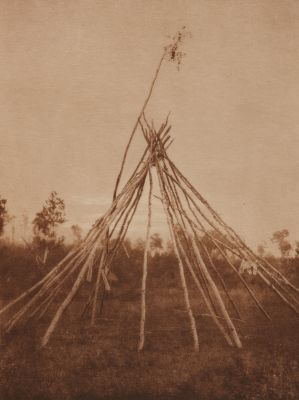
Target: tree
x: 297, y: 250
x: 11, y: 220
x: 139, y: 245
x: 46, y: 222
x: 77, y: 232
x: 261, y: 250
x: 3, y: 214
x: 24, y: 225
x: 213, y: 240
x: 169, y: 248
x: 284, y: 246
x: 156, y: 243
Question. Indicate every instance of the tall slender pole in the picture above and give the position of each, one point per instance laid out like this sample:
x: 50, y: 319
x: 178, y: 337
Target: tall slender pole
x: 137, y: 123
x: 145, y: 267
x: 97, y: 286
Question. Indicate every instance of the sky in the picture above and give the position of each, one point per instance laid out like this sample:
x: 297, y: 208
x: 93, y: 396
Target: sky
x: 74, y: 76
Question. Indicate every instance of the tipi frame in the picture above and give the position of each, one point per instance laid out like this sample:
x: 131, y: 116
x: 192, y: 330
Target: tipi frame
x: 189, y: 217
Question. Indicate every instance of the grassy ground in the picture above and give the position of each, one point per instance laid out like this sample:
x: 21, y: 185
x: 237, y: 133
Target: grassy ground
x: 88, y: 363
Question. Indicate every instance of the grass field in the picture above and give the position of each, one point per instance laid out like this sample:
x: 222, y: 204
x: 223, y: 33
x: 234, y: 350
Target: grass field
x: 101, y: 362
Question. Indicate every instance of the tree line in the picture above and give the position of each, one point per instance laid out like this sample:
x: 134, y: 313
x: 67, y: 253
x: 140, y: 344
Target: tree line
x: 45, y: 229
x: 46, y: 237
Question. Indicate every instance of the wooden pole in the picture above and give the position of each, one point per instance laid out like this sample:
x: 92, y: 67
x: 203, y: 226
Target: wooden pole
x: 186, y: 259
x: 97, y: 286
x: 137, y: 122
x: 145, y: 266
x: 181, y: 269
x: 65, y: 303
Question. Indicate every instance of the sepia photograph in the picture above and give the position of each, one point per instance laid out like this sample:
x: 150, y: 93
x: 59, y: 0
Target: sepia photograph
x: 149, y: 199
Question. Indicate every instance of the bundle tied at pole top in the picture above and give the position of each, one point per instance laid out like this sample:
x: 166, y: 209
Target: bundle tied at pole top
x: 190, y: 218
